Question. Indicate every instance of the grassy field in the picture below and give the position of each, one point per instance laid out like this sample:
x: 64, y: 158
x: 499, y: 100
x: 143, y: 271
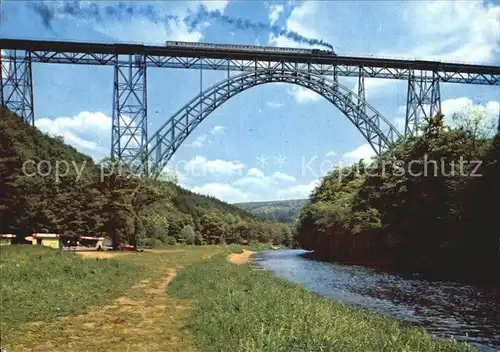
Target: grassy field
x: 58, y: 301
x: 106, y: 304
x: 39, y: 284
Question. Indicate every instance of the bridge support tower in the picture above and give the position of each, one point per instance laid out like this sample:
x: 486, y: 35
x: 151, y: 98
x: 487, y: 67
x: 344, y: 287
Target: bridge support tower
x: 423, y: 101
x: 16, y: 84
x: 361, y: 90
x: 130, y: 124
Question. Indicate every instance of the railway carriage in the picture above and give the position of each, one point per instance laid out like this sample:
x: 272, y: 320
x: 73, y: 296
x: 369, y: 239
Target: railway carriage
x: 249, y: 48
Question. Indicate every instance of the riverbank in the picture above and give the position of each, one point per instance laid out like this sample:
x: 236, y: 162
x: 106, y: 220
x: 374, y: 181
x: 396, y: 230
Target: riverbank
x: 443, y: 308
x: 185, y: 299
x: 236, y: 308
x: 240, y: 258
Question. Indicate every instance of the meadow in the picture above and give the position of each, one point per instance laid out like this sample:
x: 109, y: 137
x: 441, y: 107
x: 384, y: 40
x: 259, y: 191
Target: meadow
x: 185, y: 298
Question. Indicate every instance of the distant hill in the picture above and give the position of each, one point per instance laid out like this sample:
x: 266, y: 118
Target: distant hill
x: 286, y: 211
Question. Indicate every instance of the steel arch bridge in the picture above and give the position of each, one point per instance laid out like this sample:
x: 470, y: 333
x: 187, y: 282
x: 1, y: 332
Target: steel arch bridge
x: 377, y: 130
x: 257, y: 65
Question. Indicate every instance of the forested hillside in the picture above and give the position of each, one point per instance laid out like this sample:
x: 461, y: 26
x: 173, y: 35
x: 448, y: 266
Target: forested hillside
x: 433, y: 215
x: 86, y: 198
x: 286, y: 211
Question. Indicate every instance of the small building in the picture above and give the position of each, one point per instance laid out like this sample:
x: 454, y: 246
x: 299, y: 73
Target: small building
x: 94, y: 242
x: 6, y: 239
x: 52, y: 240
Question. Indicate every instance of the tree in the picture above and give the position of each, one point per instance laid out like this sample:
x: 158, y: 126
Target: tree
x: 474, y: 119
x: 435, y: 126
x: 213, y: 228
x: 188, y: 235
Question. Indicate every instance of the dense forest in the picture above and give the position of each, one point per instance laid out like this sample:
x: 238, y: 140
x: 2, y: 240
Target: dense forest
x: 88, y: 198
x: 286, y: 211
x: 416, y: 208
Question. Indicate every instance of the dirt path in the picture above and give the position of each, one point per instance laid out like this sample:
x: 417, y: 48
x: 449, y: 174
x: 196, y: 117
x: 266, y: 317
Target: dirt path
x: 100, y: 255
x: 145, y: 319
x: 159, y: 251
x: 240, y: 258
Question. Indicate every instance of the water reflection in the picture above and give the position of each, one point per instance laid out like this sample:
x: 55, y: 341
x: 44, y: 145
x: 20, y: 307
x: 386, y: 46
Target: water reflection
x: 467, y: 313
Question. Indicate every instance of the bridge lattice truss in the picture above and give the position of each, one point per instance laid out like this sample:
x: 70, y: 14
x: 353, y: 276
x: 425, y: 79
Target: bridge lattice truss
x: 130, y: 142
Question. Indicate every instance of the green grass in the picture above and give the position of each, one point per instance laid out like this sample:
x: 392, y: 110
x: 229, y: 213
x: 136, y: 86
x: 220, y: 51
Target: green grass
x: 41, y: 284
x: 240, y: 309
x: 142, y: 319
x: 258, y: 247
x: 226, y: 307
x: 229, y: 248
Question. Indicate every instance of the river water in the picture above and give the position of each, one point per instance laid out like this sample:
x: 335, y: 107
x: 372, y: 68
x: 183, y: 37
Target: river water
x: 468, y: 313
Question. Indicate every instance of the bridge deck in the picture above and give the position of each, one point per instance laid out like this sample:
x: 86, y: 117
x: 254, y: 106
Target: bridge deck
x: 235, y: 59
x: 235, y: 54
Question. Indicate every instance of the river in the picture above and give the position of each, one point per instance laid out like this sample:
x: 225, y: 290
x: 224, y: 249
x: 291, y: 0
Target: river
x: 468, y: 313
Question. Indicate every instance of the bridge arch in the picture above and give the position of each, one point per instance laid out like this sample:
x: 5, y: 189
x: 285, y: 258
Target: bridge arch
x: 376, y: 129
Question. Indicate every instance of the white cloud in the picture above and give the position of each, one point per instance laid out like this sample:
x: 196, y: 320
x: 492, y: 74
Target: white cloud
x: 200, y: 166
x: 299, y: 21
x: 374, y: 86
x: 207, y: 138
x: 273, y: 104
x: 252, y: 182
x: 331, y: 153
x: 5, y: 63
x: 95, y: 125
x: 195, y: 144
x: 303, y: 95
x: 364, y: 151
x: 255, y: 172
x: 262, y: 184
x: 399, y: 124
x: 236, y: 192
x: 449, y: 107
x: 493, y: 108
x: 465, y: 31
x: 142, y: 30
x: 452, y: 106
x: 280, y: 176
x: 213, y: 5
x: 297, y: 191
x: 217, y: 130
x: 253, y: 186
x: 445, y: 31
x: 222, y: 191
x: 254, y: 178
x: 274, y: 13
x: 490, y: 112
x: 91, y: 121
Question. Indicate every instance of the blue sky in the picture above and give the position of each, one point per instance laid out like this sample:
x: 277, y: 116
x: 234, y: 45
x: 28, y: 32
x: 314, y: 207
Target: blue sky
x: 287, y: 127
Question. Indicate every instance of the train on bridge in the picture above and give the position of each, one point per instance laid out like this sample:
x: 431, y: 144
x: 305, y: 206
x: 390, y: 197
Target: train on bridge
x: 249, y: 48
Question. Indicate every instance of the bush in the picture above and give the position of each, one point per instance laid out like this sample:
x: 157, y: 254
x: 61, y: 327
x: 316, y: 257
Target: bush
x: 170, y: 240
x: 188, y: 234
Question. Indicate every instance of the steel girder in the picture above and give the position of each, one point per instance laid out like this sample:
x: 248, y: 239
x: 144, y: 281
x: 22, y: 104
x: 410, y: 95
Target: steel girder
x: 361, y: 90
x: 130, y: 127
x: 423, y: 102
x: 16, y: 85
x: 377, y: 130
x: 342, y: 70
